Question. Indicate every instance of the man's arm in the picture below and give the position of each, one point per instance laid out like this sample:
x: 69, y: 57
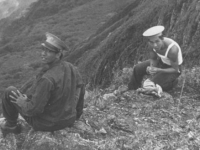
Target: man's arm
x: 39, y: 98
x: 27, y: 85
x: 173, y: 56
x: 153, y: 59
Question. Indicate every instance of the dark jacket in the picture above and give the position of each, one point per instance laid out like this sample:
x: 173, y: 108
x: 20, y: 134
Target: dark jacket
x: 52, y: 103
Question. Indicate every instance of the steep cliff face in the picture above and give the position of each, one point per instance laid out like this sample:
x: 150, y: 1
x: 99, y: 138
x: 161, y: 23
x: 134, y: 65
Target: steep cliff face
x: 7, y: 7
x: 119, y: 42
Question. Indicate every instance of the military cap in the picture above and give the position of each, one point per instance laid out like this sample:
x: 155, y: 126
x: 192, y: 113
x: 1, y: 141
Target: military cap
x: 54, y: 43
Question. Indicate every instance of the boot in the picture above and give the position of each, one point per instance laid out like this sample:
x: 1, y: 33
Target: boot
x: 6, y: 129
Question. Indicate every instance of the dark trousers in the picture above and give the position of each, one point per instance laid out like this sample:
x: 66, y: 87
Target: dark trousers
x: 165, y: 80
x: 11, y: 112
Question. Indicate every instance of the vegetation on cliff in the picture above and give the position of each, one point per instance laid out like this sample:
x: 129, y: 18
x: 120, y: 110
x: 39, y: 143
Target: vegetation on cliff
x: 102, y: 41
x: 119, y: 42
x: 73, y: 21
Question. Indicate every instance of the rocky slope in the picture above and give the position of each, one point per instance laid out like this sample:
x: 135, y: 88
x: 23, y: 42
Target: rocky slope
x: 113, y: 121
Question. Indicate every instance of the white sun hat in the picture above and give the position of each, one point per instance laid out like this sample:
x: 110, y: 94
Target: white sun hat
x: 154, y: 31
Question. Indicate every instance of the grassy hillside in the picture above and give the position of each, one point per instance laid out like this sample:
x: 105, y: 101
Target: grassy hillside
x: 103, y: 36
x: 119, y: 42
x: 74, y: 21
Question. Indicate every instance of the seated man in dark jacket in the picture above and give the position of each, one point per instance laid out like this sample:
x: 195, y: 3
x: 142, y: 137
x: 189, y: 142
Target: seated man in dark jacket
x: 50, y: 101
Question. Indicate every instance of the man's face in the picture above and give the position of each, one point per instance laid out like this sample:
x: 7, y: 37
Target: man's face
x: 155, y: 42
x: 48, y: 56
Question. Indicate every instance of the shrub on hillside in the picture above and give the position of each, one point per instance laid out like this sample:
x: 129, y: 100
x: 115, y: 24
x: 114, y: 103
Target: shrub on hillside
x: 122, y: 76
x: 191, y: 78
x: 10, y: 47
x: 35, y: 65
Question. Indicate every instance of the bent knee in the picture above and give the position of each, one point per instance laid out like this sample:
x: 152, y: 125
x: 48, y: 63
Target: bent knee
x: 11, y: 88
x: 8, y: 92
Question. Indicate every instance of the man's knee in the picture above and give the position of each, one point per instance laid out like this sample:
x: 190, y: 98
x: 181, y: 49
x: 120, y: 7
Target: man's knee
x: 141, y: 67
x: 11, y: 88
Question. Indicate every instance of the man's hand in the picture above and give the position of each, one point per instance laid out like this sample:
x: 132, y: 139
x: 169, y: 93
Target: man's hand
x: 18, y: 98
x: 153, y: 70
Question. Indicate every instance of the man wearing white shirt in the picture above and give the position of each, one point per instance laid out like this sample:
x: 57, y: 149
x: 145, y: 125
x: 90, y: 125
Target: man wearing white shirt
x: 164, y: 64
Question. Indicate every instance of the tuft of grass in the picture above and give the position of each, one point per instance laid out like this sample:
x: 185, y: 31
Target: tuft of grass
x: 122, y: 77
x: 191, y: 77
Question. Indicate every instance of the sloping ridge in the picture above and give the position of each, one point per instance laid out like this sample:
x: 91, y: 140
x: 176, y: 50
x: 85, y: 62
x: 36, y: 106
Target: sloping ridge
x: 95, y: 39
